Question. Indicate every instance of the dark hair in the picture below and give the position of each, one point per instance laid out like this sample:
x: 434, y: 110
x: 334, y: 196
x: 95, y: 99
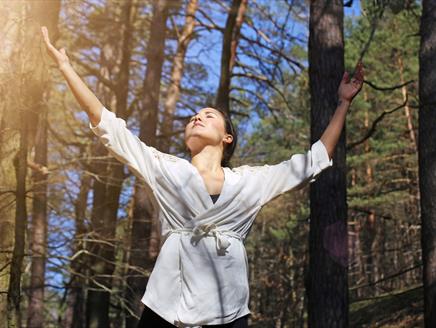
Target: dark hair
x: 229, y: 149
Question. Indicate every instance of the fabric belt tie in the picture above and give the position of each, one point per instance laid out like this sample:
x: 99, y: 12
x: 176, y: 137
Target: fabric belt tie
x: 203, y: 230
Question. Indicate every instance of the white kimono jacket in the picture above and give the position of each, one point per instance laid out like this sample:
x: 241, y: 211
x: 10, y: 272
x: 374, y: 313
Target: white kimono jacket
x: 201, y: 274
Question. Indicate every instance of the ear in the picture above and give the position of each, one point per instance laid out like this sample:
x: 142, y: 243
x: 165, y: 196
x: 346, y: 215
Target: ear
x: 228, y: 138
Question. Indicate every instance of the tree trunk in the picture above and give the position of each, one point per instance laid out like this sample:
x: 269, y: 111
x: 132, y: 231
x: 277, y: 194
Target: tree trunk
x: 75, y: 312
x: 328, y: 246
x: 145, y: 237
x: 103, y: 221
x: 407, y: 111
x: 228, y: 54
x: 9, y: 143
x: 107, y: 191
x: 151, y: 88
x: 427, y: 156
x: 370, y: 224
x: 413, y: 208
x: 38, y: 238
x: 173, y: 92
x: 30, y: 108
x: 14, y: 292
x: 35, y: 311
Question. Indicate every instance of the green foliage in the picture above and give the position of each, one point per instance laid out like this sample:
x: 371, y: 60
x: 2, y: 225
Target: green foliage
x: 273, y: 97
x: 381, y: 171
x: 392, y: 60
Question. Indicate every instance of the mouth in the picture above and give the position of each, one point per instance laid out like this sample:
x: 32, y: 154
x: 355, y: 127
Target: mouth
x: 198, y: 124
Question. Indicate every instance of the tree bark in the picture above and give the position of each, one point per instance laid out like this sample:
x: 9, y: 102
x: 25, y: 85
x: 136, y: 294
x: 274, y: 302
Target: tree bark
x: 103, y: 221
x: 107, y: 191
x: 328, y: 245
x: 75, y: 312
x: 370, y: 224
x: 9, y: 143
x: 30, y: 110
x: 407, y: 111
x: 145, y: 237
x: 413, y: 207
x: 234, y: 22
x: 14, y: 291
x: 38, y: 238
x: 173, y: 92
x: 427, y: 156
x: 35, y: 311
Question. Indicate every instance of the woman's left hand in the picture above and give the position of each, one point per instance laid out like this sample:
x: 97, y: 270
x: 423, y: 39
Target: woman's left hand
x: 349, y: 88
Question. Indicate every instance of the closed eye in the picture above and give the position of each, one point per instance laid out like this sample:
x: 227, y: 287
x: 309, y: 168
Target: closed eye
x: 210, y: 114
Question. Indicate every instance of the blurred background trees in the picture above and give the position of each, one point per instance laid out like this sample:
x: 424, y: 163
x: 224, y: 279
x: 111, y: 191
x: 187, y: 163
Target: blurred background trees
x: 78, y: 233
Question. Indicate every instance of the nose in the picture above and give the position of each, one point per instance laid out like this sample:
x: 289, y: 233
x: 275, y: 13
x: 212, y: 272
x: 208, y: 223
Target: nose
x: 197, y: 117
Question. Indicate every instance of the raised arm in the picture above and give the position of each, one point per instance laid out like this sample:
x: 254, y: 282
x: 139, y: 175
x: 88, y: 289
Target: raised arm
x: 87, y: 100
x: 348, y: 89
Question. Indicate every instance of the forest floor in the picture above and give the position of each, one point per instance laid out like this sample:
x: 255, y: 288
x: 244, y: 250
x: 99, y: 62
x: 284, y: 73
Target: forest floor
x: 401, y: 309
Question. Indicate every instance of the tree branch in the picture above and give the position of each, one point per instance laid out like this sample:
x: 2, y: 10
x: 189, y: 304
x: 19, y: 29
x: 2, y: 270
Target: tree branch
x: 374, y: 124
x: 372, y: 85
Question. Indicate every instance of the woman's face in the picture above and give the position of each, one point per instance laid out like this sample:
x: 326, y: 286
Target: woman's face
x: 207, y: 127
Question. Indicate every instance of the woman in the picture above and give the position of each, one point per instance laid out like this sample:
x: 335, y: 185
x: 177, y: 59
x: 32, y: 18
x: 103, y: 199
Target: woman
x: 206, y: 209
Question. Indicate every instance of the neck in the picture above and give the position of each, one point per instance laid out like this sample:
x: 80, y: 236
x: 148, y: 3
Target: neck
x: 208, y: 160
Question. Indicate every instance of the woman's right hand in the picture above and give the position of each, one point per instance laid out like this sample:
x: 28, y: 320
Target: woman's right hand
x: 84, y: 96
x: 59, y: 56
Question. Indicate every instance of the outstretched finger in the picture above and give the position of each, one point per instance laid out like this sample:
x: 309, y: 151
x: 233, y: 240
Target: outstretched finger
x: 45, y: 34
x: 346, y: 77
x: 47, y: 39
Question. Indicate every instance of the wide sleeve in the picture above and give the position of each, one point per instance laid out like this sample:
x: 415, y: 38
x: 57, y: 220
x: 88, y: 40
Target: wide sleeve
x: 294, y: 173
x: 122, y: 144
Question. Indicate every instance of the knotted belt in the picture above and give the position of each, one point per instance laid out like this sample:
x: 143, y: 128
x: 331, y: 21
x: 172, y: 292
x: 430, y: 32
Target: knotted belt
x: 203, y: 230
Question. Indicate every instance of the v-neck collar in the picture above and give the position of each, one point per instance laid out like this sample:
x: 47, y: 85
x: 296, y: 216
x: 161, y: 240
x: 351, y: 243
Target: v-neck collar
x: 205, y: 194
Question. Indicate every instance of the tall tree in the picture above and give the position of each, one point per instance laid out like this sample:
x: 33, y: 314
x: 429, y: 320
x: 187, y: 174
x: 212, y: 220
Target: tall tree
x: 35, y: 313
x: 14, y: 292
x: 75, y: 311
x: 31, y: 110
x: 327, y: 285
x: 107, y: 189
x: 427, y: 156
x: 145, y: 232
x: 12, y: 14
x: 383, y: 162
x: 173, y: 93
x: 232, y: 29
